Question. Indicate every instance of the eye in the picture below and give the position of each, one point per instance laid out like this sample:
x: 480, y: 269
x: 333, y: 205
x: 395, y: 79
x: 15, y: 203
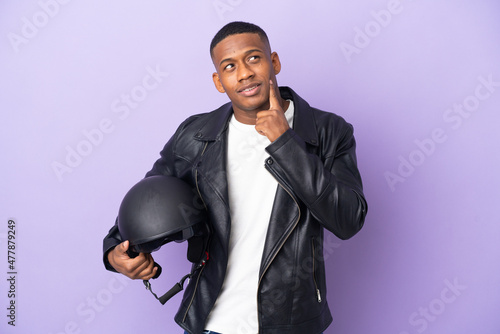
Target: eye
x: 229, y: 67
x: 254, y: 58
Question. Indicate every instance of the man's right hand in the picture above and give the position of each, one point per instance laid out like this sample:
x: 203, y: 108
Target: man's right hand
x: 140, y: 267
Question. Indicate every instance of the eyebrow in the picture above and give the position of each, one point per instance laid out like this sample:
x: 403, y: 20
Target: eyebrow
x: 246, y: 53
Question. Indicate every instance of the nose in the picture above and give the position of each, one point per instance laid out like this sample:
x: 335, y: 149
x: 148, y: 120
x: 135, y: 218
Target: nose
x: 244, y: 72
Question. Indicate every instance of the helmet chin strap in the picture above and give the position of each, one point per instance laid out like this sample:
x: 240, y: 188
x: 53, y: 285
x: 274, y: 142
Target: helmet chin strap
x: 178, y: 287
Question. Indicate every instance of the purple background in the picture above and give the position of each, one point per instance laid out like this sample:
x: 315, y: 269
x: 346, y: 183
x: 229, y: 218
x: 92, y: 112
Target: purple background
x: 427, y: 260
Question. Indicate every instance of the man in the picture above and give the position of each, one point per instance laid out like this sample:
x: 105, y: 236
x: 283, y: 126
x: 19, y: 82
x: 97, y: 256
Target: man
x: 273, y: 173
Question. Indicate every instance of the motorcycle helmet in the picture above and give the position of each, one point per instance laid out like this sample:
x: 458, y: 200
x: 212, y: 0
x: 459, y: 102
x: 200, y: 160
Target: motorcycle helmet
x: 160, y: 209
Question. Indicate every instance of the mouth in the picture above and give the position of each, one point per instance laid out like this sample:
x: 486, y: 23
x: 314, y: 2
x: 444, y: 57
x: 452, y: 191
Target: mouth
x: 249, y: 90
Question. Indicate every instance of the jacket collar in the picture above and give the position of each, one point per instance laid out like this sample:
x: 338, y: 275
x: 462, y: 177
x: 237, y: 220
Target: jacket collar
x: 303, y: 123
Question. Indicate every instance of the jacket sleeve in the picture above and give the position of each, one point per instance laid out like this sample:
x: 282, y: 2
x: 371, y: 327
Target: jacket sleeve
x: 110, y: 241
x: 328, y: 183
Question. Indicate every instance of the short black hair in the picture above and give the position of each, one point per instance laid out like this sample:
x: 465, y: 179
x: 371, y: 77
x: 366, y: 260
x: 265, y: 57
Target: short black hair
x: 237, y: 27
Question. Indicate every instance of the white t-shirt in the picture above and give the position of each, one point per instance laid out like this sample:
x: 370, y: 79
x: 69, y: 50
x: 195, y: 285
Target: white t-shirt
x: 251, y: 195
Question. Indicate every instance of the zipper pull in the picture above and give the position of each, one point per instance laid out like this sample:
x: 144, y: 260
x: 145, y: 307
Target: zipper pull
x: 319, y: 295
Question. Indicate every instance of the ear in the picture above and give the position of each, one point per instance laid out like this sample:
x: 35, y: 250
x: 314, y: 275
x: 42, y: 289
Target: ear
x: 217, y: 83
x: 275, y: 60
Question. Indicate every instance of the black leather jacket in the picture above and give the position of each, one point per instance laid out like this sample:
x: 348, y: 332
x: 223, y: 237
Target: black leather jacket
x: 320, y: 188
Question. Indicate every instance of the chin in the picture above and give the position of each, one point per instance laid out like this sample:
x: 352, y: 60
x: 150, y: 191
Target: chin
x: 256, y: 106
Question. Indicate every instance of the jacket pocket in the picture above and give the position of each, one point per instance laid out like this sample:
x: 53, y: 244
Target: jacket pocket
x: 314, y: 249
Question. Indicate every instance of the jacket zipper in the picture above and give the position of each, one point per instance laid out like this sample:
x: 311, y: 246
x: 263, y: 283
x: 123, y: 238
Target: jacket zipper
x: 203, y: 267
x: 194, y: 292
x: 318, y: 293
x: 279, y: 248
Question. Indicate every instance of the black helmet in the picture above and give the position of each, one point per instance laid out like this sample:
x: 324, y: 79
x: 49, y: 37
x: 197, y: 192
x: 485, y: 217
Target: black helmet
x: 160, y: 209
